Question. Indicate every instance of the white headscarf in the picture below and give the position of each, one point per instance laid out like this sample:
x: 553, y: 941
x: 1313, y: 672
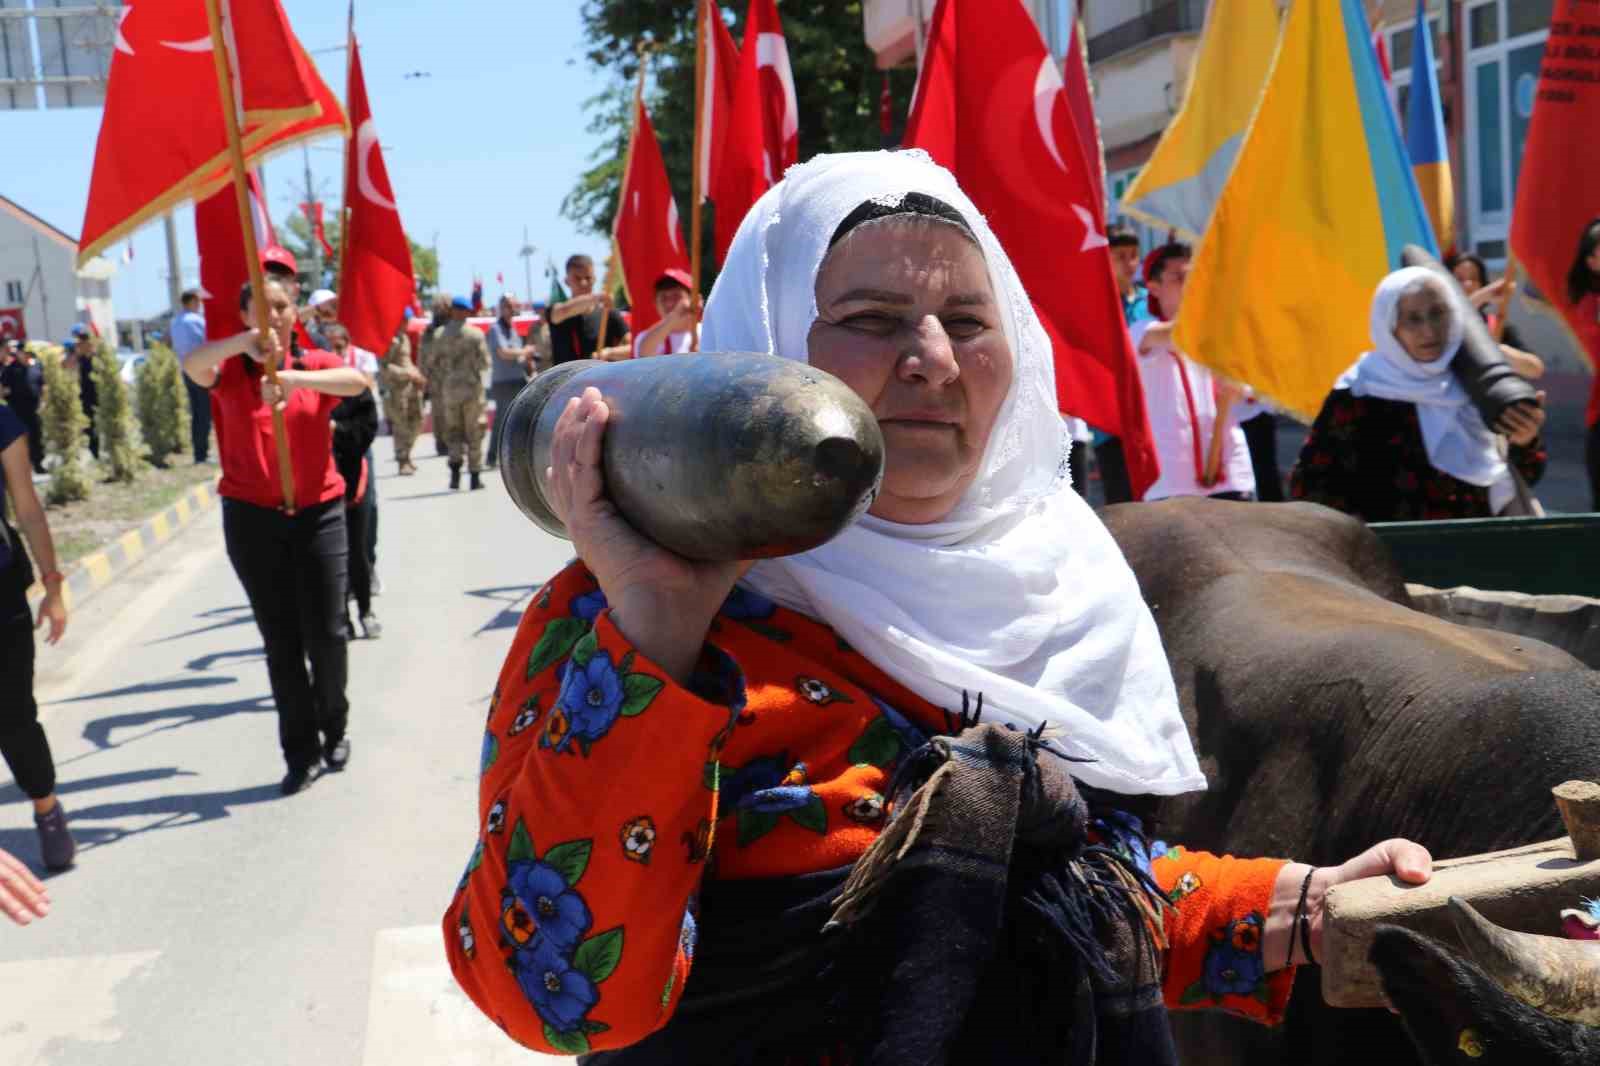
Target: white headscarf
x: 1019, y: 593
x: 1453, y: 432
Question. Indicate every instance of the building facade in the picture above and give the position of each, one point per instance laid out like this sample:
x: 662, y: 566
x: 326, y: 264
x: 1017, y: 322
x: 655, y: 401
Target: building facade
x: 41, y: 286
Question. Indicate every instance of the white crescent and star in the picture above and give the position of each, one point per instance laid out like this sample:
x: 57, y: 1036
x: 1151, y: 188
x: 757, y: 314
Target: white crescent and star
x: 771, y: 52
x: 1047, y: 88
x: 672, y: 225
x: 199, y: 44
x: 1092, y: 238
x: 366, y: 141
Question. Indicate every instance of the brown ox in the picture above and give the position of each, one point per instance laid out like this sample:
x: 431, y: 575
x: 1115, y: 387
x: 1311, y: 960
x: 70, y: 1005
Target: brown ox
x: 1330, y: 715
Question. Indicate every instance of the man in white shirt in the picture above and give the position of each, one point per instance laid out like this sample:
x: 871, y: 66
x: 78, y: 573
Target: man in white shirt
x: 675, y: 303
x: 1182, y: 397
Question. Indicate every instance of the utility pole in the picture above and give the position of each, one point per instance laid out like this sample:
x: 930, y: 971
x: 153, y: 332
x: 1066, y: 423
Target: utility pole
x: 316, y: 246
x: 174, y: 266
x: 527, y: 254
x: 44, y: 296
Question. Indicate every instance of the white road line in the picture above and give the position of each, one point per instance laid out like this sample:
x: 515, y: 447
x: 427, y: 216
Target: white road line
x: 417, y: 1016
x: 50, y: 1005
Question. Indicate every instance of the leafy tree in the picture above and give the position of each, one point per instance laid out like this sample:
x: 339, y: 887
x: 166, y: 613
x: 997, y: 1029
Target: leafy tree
x: 113, y: 416
x: 163, y: 404
x: 296, y: 236
x: 64, y: 425
x: 837, y: 86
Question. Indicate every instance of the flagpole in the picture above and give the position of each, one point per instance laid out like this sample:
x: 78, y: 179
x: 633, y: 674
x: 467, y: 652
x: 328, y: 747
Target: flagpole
x: 1510, y: 278
x: 344, y: 196
x: 697, y: 193
x: 252, y: 253
x: 627, y: 167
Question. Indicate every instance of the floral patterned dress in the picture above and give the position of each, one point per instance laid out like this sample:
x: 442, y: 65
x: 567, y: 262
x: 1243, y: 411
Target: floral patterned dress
x: 1366, y: 457
x: 608, y: 792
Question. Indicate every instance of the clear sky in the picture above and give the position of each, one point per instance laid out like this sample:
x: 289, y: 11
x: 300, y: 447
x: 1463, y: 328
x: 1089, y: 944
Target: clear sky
x: 489, y: 143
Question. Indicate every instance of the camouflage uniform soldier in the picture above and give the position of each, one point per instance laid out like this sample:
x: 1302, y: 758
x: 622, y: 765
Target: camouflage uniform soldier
x: 440, y: 316
x: 401, y: 384
x: 458, y: 358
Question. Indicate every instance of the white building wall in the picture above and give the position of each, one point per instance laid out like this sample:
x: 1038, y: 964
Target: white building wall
x: 38, y: 272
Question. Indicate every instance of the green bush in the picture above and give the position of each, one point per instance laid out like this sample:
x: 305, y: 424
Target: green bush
x: 113, y: 417
x: 64, y: 423
x: 163, y: 404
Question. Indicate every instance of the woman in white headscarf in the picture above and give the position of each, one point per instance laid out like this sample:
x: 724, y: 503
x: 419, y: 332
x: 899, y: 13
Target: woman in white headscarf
x: 684, y: 761
x: 1398, y: 438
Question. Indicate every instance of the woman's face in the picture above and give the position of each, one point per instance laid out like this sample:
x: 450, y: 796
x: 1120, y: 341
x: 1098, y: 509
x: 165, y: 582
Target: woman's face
x: 1466, y: 273
x: 907, y: 318
x: 1422, y: 325
x: 280, y: 311
x: 1592, y: 261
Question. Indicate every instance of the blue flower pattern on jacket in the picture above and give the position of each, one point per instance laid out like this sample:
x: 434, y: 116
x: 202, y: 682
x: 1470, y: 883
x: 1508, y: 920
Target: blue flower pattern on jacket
x: 560, y: 916
x: 561, y: 994
x: 591, y: 698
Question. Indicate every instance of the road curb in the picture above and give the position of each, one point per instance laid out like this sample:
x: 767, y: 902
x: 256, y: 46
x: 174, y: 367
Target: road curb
x: 100, y: 568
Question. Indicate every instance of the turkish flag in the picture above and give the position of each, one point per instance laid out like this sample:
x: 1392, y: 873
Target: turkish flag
x: 11, y: 324
x: 151, y: 158
x: 1084, y: 122
x: 991, y: 107
x: 1557, y: 194
x: 716, y: 96
x: 763, y: 137
x: 648, y: 236
x: 223, y: 270
x: 376, y: 280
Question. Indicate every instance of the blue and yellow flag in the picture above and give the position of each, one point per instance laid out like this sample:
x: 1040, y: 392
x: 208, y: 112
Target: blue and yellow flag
x: 1319, y: 205
x: 1425, y: 141
x: 1179, y: 186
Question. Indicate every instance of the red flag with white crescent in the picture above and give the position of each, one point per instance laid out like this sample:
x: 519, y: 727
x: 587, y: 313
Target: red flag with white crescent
x: 763, y: 138
x: 991, y: 106
x: 376, y: 281
x: 716, y: 97
x: 223, y: 271
x: 149, y: 157
x: 649, y: 238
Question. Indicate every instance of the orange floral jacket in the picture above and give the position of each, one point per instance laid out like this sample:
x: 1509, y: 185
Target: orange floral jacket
x: 607, y: 792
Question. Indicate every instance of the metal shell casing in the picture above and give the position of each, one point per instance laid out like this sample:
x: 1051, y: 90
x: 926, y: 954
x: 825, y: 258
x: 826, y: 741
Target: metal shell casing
x: 712, y: 455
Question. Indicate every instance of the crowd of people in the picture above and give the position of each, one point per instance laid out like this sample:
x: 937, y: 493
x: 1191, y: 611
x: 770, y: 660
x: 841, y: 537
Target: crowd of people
x: 1398, y: 438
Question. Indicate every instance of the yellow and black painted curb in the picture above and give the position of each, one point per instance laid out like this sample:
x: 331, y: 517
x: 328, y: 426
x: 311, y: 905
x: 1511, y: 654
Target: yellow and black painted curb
x: 98, y: 569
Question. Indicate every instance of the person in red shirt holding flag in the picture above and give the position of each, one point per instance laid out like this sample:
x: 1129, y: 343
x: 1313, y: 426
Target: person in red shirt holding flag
x: 1583, y: 293
x: 292, y: 564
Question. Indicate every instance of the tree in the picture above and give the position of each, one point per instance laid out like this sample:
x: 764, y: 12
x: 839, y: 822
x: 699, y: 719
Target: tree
x: 163, y: 404
x: 64, y: 425
x: 113, y: 416
x: 837, y: 86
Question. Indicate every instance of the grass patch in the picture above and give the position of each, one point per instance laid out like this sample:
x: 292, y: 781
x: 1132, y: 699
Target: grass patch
x: 113, y: 508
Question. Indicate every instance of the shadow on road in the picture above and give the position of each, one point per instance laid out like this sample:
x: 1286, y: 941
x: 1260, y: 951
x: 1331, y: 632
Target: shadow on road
x: 509, y: 616
x: 171, y: 812
x: 98, y: 732
x: 174, y: 685
x: 226, y: 618
x: 11, y: 793
x: 424, y: 495
x: 206, y: 662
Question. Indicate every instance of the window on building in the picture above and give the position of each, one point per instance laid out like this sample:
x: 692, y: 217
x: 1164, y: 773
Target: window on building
x: 1528, y: 16
x: 1402, y: 41
x: 1491, y: 164
x: 14, y: 292
x: 1485, y: 25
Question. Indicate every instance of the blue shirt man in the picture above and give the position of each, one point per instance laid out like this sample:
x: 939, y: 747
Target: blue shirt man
x: 189, y: 333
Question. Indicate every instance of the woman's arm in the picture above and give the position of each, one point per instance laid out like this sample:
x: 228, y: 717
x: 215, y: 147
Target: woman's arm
x: 30, y: 517
x: 337, y: 381
x: 202, y: 363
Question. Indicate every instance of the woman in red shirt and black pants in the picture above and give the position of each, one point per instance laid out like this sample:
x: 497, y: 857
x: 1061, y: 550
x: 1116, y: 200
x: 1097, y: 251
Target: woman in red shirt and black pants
x: 293, y: 567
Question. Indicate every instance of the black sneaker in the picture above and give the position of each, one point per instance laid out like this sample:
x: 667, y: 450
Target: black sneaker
x: 56, y: 846
x: 300, y: 778
x: 477, y: 481
x: 336, y: 754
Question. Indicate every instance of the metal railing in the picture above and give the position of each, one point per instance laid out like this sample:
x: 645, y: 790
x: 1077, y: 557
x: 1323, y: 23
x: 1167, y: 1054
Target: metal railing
x: 1173, y: 16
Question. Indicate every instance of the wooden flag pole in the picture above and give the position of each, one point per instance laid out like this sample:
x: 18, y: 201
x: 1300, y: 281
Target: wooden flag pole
x: 349, y: 147
x: 1504, y: 304
x: 697, y: 193
x: 1219, y: 432
x: 627, y: 166
x: 252, y: 253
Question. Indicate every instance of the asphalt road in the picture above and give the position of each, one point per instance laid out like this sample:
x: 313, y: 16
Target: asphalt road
x: 211, y: 920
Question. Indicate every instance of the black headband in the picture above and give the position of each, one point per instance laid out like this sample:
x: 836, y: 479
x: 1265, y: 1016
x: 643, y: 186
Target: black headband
x: 912, y: 203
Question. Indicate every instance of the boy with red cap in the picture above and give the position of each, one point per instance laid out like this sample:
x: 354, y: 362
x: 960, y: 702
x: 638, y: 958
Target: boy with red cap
x: 675, y: 304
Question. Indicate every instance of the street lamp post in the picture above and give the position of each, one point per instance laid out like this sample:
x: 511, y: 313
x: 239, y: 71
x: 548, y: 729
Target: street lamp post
x: 527, y: 253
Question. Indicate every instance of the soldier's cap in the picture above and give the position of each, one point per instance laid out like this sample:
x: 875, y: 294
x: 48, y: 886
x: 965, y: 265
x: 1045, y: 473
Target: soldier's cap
x: 461, y: 303
x: 80, y: 330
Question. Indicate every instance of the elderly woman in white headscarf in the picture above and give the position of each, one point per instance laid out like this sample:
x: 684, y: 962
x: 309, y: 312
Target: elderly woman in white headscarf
x: 1398, y: 438
x: 878, y: 802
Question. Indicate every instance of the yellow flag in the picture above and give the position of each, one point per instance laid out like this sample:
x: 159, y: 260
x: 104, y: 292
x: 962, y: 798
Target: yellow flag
x: 1179, y: 186
x: 1319, y: 206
